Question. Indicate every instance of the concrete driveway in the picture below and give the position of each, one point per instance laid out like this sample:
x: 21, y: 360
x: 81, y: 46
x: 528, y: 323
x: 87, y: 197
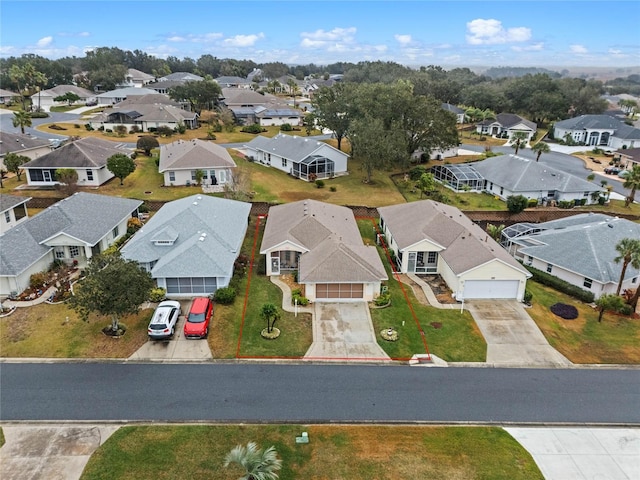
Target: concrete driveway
x: 513, y: 338
x: 178, y: 348
x: 344, y: 331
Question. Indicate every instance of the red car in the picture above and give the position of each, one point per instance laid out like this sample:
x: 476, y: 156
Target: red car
x: 196, y: 324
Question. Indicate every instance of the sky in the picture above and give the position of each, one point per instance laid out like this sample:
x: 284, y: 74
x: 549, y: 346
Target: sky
x: 410, y: 32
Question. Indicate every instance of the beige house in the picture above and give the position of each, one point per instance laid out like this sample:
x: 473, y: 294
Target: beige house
x: 428, y: 237
x: 322, y: 243
x: 181, y: 160
x: 25, y: 145
x: 13, y: 211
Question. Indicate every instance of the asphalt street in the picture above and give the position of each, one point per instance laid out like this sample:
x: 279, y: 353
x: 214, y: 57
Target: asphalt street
x: 316, y: 393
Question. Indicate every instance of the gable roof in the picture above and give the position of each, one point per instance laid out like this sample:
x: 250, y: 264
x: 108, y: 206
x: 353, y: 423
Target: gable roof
x: 126, y: 92
x: 7, y: 93
x: 600, y: 122
x: 207, y: 234
x: 587, y: 248
x: 291, y: 147
x: 181, y: 77
x: 135, y: 74
x: 279, y: 112
x: 7, y: 202
x: 16, y: 142
x: 59, y: 90
x: 192, y: 154
x: 149, y: 98
x: 147, y: 112
x: 509, y: 120
x: 88, y: 152
x: 247, y: 97
x: 465, y: 244
x: 87, y: 217
x: 520, y: 174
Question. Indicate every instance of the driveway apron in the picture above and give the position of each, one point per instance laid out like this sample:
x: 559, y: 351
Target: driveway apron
x: 513, y: 338
x: 344, y: 331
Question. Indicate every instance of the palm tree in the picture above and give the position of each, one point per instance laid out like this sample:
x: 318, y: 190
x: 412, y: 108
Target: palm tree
x: 293, y: 90
x: 540, y: 148
x: 495, y: 231
x: 632, y: 181
x: 257, y: 464
x: 21, y: 119
x: 517, y: 140
x: 629, y: 250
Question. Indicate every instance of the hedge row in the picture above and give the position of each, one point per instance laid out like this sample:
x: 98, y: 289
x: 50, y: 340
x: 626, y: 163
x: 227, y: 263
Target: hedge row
x: 565, y: 287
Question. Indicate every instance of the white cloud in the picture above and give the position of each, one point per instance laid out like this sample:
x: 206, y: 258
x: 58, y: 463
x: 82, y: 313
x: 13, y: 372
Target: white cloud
x: 403, y: 39
x: 617, y: 53
x: 176, y: 38
x: 491, y: 32
x: 195, y: 38
x: 534, y: 47
x: 338, y: 37
x: 578, y: 49
x: 243, y: 40
x: 74, y: 34
x: 44, y: 42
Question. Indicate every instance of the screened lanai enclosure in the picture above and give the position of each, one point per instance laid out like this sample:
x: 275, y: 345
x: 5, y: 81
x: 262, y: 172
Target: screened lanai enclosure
x: 515, y: 231
x: 461, y: 178
x: 314, y: 167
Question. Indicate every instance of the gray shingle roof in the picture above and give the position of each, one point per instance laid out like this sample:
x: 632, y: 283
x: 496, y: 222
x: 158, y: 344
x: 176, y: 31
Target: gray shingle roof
x: 7, y: 202
x: 126, y: 92
x: 86, y: 217
x: 147, y: 112
x: 194, y: 154
x: 181, y: 77
x: 16, y: 142
x: 604, y: 122
x: 519, y: 174
x: 290, y: 147
x: 466, y: 245
x: 207, y: 232
x: 279, y: 112
x: 88, y: 152
x: 508, y: 120
x: 587, y: 249
x: 59, y: 90
x: 246, y: 97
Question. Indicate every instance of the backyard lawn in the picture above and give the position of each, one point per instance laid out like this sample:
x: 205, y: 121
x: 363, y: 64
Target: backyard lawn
x: 334, y: 451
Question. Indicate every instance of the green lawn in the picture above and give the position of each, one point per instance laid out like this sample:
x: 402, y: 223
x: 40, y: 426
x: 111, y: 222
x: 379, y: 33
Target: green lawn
x: 334, y: 451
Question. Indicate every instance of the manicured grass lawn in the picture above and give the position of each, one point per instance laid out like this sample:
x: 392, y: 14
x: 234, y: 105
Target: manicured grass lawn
x: 43, y: 331
x: 584, y: 340
x: 334, y: 451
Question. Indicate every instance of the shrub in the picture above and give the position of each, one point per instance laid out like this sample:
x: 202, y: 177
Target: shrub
x: 528, y: 296
x: 566, y: 204
x: 416, y: 172
x: 532, y: 203
x: 625, y: 309
x: 165, y: 131
x: 261, y: 266
x: 333, y: 189
x: 296, y: 295
x: 319, y: 183
x: 255, y: 128
x: 36, y: 280
x: 382, y: 299
x: 225, y: 295
x: 101, y: 128
x: 134, y: 129
x: 144, y: 208
x: 216, y: 127
x: 75, y: 125
x: 108, y: 130
x: 568, y: 312
x: 133, y: 225
x: 88, y: 127
x: 565, y: 287
x: 39, y: 115
x: 517, y: 203
x: 286, y: 127
x: 158, y: 294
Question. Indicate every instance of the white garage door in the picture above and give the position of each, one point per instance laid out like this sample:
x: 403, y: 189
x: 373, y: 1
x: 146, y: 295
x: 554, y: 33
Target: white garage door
x: 490, y: 289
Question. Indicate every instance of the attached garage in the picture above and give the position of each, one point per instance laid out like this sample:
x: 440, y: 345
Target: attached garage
x: 339, y: 290
x: 491, y: 289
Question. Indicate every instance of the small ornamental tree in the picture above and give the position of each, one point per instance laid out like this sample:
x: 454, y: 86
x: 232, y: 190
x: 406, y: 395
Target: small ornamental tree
x: 68, y: 97
x: 257, y: 464
x: 68, y: 179
x: 147, y: 143
x: 517, y: 203
x: 269, y: 312
x: 426, y: 183
x: 121, y: 166
x: 609, y: 301
x: 14, y: 163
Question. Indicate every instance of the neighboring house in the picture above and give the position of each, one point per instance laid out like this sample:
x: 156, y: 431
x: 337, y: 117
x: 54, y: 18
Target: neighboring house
x: 164, y: 86
x: 7, y: 97
x: 145, y: 117
x: 579, y: 249
x: 13, y: 211
x: 181, y: 77
x: 506, y: 125
x: 598, y: 131
x: 74, y: 229
x: 179, y: 162
x: 19, y: 144
x: 279, y: 116
x: 152, y: 99
x: 136, y: 78
x: 45, y: 99
x: 507, y: 175
x: 233, y: 82
x: 87, y: 156
x: 116, y: 96
x: 190, y: 245
x: 322, y: 243
x: 242, y: 97
x: 457, y: 111
x: 428, y: 237
x: 302, y: 157
x: 629, y: 157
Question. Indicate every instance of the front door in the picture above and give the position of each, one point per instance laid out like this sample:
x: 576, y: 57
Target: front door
x: 275, y: 265
x: 411, y: 267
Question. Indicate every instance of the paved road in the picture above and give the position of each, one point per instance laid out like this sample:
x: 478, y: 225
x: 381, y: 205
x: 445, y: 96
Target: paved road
x: 6, y: 123
x: 315, y: 393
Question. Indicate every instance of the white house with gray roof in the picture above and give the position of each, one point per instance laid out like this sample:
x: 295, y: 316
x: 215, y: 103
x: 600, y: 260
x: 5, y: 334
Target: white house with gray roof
x: 322, y: 243
x: 301, y: 157
x: 13, y: 211
x: 506, y: 125
x: 580, y: 250
x: 26, y: 145
x: 119, y: 94
x: 146, y: 117
x: 598, y: 131
x: 45, y: 99
x: 190, y: 245
x: 74, y: 229
x: 181, y: 160
x: 428, y: 237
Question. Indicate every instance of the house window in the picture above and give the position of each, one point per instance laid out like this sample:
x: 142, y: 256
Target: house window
x: 172, y: 176
x: 587, y: 282
x: 431, y: 257
x: 222, y: 176
x: 7, y: 216
x: 585, y: 194
x: 551, y: 193
x: 284, y: 162
x: 529, y: 259
x: 634, y: 279
x: 193, y: 175
x: 90, y: 175
x: 501, y: 190
x: 59, y: 253
x: 115, y: 232
x: 74, y: 251
x: 549, y: 267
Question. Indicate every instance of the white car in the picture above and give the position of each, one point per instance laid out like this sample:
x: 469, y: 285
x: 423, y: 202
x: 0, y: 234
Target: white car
x: 163, y: 322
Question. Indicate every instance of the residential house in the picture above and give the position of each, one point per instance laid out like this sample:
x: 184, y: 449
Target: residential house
x: 118, y: 95
x: 428, y: 237
x: 136, y: 78
x: 145, y: 117
x: 505, y: 125
x: 629, y: 157
x: 163, y: 87
x: 45, y: 99
x: 322, y: 243
x: 25, y: 145
x: 72, y: 230
x: 229, y: 81
x: 598, y: 131
x: 179, y: 162
x: 87, y: 156
x: 579, y: 249
x: 302, y: 157
x: 190, y: 245
x: 13, y: 211
x: 279, y: 116
x: 242, y: 97
x: 181, y: 77
x: 7, y: 96
x: 457, y: 111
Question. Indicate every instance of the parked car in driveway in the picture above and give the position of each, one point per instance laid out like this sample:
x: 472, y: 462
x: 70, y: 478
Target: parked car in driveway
x: 196, y: 324
x: 164, y: 320
x: 612, y: 170
x: 623, y: 173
